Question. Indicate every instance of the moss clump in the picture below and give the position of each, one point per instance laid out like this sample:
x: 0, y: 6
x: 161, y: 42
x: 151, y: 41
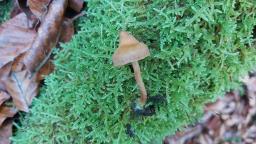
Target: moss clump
x: 5, y: 7
x: 198, y: 51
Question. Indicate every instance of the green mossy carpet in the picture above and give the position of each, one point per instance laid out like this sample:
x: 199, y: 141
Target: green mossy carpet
x: 199, y: 49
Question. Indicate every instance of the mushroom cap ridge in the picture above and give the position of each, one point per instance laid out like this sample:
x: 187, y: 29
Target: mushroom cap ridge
x: 129, y: 50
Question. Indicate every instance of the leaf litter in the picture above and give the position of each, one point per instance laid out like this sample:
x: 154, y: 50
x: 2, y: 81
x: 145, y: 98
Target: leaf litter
x: 230, y: 120
x: 26, y: 44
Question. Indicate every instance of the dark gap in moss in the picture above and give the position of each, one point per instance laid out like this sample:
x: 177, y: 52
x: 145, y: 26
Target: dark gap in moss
x: 157, y: 99
x: 204, y: 130
x: 252, y: 74
x: 237, y: 5
x: 120, y: 99
x: 131, y: 69
x: 129, y: 130
x: 150, y: 107
x: 254, y: 32
x: 17, y: 120
x: 70, y: 13
x: 217, y: 29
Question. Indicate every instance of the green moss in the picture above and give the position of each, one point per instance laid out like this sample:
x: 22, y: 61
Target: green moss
x: 4, y: 10
x: 198, y: 51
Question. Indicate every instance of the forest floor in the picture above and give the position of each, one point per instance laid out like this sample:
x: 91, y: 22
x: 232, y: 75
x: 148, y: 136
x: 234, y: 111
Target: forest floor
x: 230, y: 120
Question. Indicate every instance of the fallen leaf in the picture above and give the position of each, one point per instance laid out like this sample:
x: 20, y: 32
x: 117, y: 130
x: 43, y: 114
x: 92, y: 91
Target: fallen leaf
x: 4, y: 74
x: 76, y: 5
x: 6, y: 112
x: 48, y: 35
x: 205, y: 139
x: 38, y: 7
x: 6, y: 132
x: 233, y: 121
x: 15, y: 38
x: 22, y: 4
x: 45, y: 70
x: 32, y: 21
x: 22, y: 89
x: 25, y: 53
x: 67, y: 30
x: 3, y: 97
x: 214, y: 125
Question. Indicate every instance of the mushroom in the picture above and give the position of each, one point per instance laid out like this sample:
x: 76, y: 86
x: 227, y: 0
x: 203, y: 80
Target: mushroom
x: 130, y: 50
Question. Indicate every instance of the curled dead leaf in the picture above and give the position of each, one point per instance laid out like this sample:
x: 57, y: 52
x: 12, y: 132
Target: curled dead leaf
x: 3, y: 97
x: 67, y: 30
x: 6, y: 132
x: 6, y: 112
x: 22, y: 89
x: 25, y: 53
x: 48, y: 35
x: 39, y: 7
x: 45, y: 70
x: 76, y: 5
x: 4, y: 74
x: 15, y: 38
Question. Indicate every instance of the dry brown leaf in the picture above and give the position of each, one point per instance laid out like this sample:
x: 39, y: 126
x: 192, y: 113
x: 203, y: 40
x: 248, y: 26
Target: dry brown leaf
x: 4, y: 74
x: 15, y: 38
x: 38, y: 7
x: 25, y: 53
x: 6, y: 112
x: 67, y: 30
x: 3, y: 97
x: 214, y: 124
x: 205, y: 139
x: 22, y: 4
x: 250, y: 135
x: 76, y: 5
x: 48, y: 35
x: 33, y: 21
x: 45, y: 70
x: 22, y: 89
x: 6, y: 132
x: 215, y: 107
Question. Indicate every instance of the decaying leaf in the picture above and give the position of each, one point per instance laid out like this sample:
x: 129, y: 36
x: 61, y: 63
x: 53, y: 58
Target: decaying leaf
x: 45, y: 70
x: 6, y: 132
x: 231, y: 119
x: 6, y: 112
x: 15, y: 38
x: 22, y: 89
x: 67, y: 30
x: 4, y: 74
x: 76, y: 5
x: 3, y: 97
x: 26, y: 43
x: 47, y: 37
x: 38, y: 7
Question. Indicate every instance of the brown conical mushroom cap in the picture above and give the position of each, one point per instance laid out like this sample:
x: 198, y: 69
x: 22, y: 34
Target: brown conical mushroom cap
x: 129, y: 50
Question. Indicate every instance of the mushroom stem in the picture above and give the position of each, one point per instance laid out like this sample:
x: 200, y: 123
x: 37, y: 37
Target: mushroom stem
x: 136, y: 68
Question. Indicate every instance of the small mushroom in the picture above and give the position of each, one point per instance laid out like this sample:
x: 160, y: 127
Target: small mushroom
x: 130, y: 50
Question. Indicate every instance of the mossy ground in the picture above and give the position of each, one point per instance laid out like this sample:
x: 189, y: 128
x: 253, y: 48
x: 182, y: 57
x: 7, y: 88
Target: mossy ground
x: 4, y: 10
x: 198, y: 51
